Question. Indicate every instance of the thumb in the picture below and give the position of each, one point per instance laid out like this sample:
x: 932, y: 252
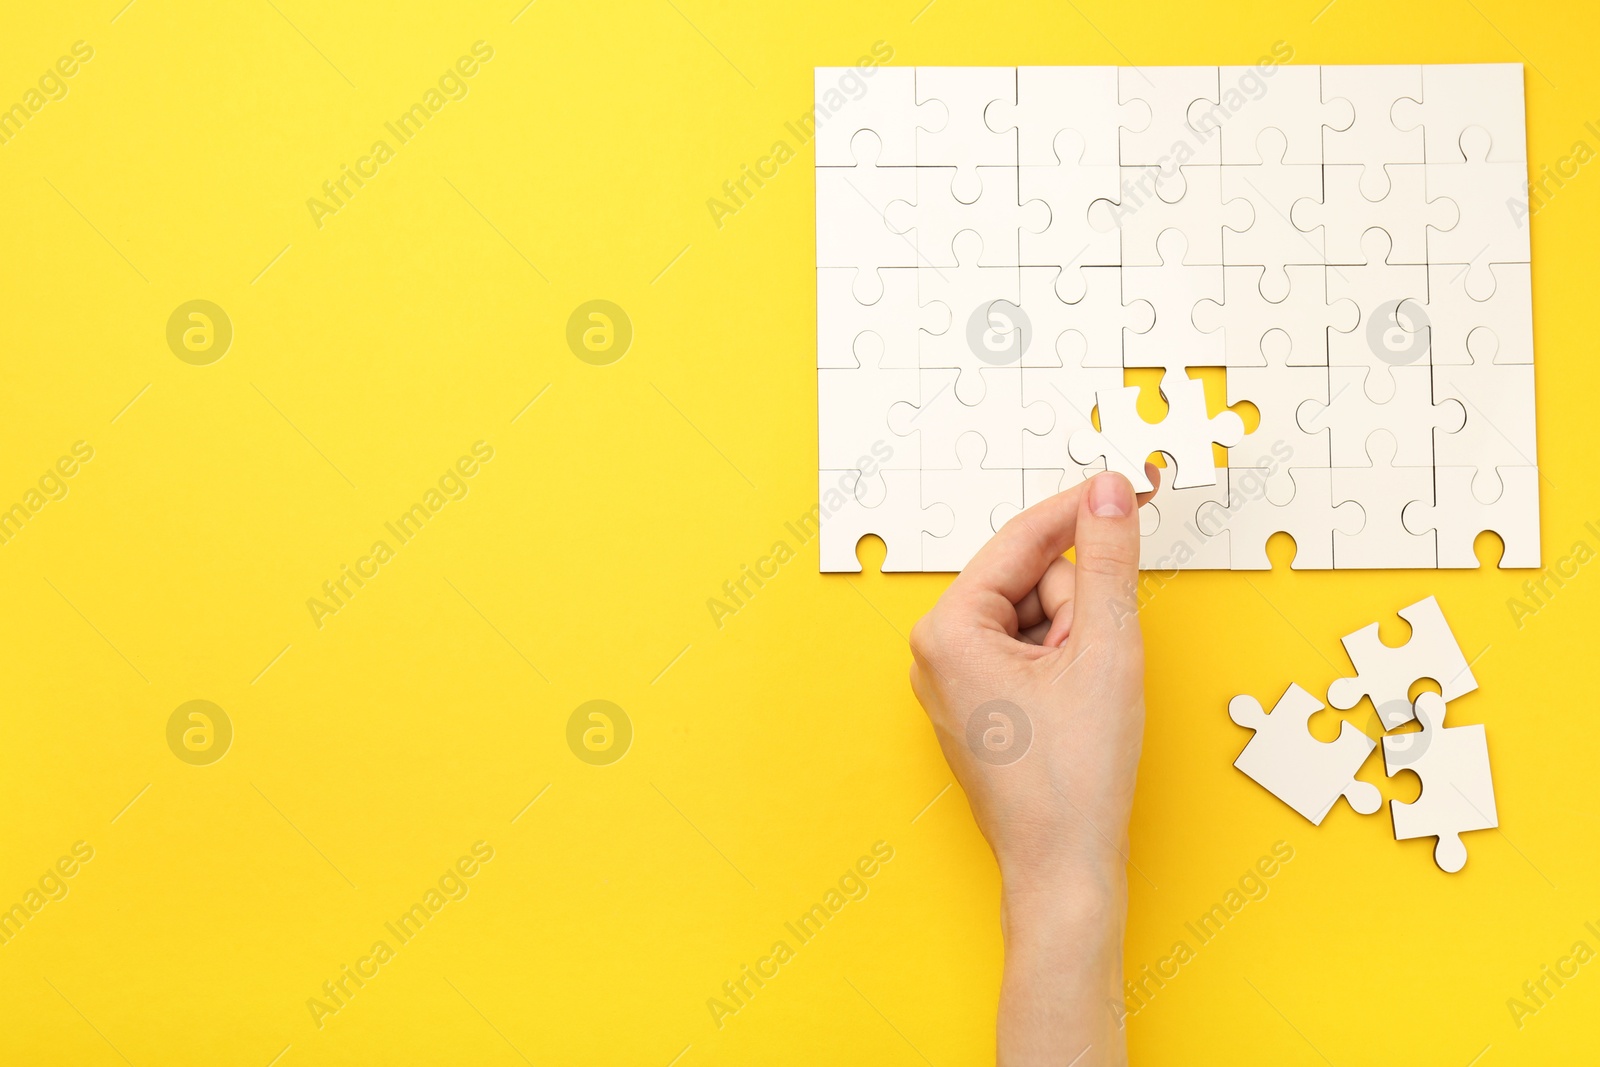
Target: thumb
x: 1105, y: 606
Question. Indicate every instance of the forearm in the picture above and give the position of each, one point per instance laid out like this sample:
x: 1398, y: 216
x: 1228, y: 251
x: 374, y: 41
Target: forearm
x: 1061, y: 994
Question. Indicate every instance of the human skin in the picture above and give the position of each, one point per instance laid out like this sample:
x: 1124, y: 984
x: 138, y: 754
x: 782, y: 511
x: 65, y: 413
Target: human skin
x: 1057, y: 643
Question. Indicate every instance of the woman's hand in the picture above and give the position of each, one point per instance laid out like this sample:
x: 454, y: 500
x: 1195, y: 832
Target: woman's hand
x: 1031, y: 668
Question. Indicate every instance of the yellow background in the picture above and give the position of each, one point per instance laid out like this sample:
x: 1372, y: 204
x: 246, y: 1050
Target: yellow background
x: 768, y: 754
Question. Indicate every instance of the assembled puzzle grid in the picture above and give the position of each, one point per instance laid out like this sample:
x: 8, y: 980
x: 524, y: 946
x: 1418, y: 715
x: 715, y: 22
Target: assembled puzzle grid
x: 996, y: 245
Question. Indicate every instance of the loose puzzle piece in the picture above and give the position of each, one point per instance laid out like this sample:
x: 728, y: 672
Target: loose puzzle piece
x: 1287, y: 761
x: 1458, y: 516
x: 1346, y: 244
x: 1457, y: 790
x: 1185, y: 435
x: 1386, y: 673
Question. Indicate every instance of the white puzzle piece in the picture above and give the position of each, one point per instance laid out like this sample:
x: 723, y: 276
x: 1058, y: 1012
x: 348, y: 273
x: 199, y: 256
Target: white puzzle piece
x: 1126, y: 440
x: 1459, y: 96
x: 997, y: 245
x: 1384, y: 490
x: 899, y: 519
x: 1310, y: 517
x: 1458, y: 515
x: 1372, y: 139
x: 1306, y: 774
x: 1457, y: 790
x: 1183, y: 529
x: 1386, y: 673
x: 1050, y: 100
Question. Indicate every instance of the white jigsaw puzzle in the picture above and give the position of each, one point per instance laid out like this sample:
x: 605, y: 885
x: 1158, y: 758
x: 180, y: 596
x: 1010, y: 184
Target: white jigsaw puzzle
x: 997, y: 245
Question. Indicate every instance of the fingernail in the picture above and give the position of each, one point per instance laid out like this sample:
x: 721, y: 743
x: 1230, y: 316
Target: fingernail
x: 1110, y: 496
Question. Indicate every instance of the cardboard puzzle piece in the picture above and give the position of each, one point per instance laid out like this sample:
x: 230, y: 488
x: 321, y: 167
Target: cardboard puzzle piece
x: 1183, y: 529
x: 1310, y: 516
x: 1155, y: 200
x: 853, y: 404
x: 1485, y: 323
x: 1291, y: 106
x: 1409, y: 415
x: 1167, y: 94
x: 899, y: 519
x: 1485, y: 232
x: 962, y: 139
x: 1457, y: 516
x: 853, y: 334
x: 1382, y: 291
x: 980, y: 496
x: 1498, y: 426
x: 1186, y: 434
x: 1069, y: 391
x: 941, y: 421
x: 932, y: 222
x: 1409, y: 212
x: 1372, y: 139
x: 1457, y: 97
x: 1457, y: 789
x: 1079, y: 317
x: 1288, y: 762
x: 1172, y: 289
x: 967, y: 289
x: 996, y: 246
x: 1386, y: 673
x: 887, y: 107
x: 1055, y: 100
x: 1068, y: 187
x: 1269, y: 238
x: 1291, y: 332
x: 1277, y: 394
x: 1384, y: 491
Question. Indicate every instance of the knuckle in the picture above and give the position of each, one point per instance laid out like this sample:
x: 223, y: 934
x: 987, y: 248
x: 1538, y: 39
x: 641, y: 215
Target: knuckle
x: 1108, y: 557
